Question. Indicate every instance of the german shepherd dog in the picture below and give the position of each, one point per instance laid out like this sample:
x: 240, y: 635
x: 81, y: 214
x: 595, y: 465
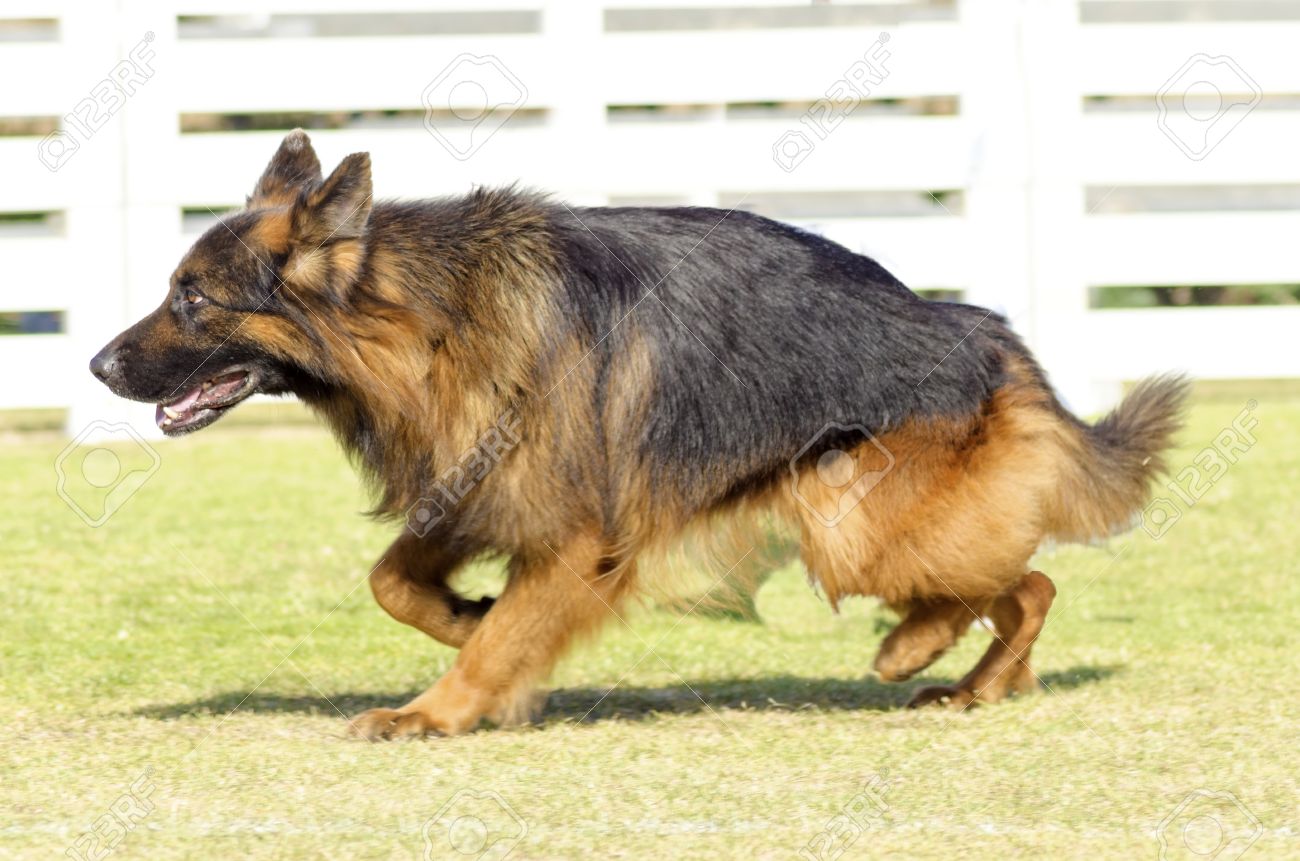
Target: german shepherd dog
x: 639, y: 374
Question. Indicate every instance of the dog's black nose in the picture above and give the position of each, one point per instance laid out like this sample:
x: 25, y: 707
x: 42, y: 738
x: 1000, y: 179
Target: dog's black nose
x: 103, y: 364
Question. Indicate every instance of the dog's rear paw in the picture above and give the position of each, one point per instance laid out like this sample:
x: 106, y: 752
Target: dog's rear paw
x: 381, y: 724
x: 949, y: 696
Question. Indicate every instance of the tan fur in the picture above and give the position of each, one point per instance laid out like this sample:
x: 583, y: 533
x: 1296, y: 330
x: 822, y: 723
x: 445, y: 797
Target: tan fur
x: 547, y: 602
x: 274, y: 230
x: 961, y: 510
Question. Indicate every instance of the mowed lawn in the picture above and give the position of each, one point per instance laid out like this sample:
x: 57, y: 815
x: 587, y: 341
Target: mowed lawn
x: 185, y: 669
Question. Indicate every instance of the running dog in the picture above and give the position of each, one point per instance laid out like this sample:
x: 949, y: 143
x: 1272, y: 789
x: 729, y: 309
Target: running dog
x: 577, y: 389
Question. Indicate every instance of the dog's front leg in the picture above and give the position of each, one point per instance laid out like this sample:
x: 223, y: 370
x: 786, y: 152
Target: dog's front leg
x: 410, y: 583
x: 549, y: 598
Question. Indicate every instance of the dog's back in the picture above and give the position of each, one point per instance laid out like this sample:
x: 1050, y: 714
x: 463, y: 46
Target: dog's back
x: 761, y: 334
x: 769, y: 346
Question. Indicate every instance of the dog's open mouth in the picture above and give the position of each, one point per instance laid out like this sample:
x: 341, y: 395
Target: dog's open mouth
x: 206, y: 402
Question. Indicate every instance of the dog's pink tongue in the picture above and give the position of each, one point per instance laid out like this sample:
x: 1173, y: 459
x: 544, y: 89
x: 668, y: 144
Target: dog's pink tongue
x: 177, y: 407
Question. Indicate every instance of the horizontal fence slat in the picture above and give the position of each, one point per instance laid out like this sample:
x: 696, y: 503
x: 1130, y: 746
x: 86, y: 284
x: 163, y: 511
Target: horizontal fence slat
x: 1140, y: 58
x: 308, y: 7
x: 37, y: 366
x: 629, y: 159
x: 773, y: 65
x: 363, y: 73
x: 906, y: 247
x: 43, y: 274
x: 54, y: 92
x: 392, y: 72
x: 1209, y: 343
x: 18, y: 9
x: 727, y: 4
x: 1131, y: 149
x: 87, y: 178
x: 1193, y: 248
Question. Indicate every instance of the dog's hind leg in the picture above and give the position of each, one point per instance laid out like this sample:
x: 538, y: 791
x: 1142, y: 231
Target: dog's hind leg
x: 410, y: 583
x: 1018, y: 617
x: 929, y: 629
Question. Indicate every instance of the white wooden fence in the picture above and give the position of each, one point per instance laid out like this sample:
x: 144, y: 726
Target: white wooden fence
x: 1028, y: 145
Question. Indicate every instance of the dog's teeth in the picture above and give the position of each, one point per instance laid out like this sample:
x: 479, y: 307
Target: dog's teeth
x: 207, y: 385
x: 166, y: 422
x: 171, y: 413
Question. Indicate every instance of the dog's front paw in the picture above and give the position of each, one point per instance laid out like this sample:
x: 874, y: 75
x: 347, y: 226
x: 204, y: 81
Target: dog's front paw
x: 381, y: 724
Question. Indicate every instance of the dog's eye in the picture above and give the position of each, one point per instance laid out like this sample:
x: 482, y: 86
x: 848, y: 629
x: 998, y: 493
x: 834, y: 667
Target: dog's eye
x: 193, y: 298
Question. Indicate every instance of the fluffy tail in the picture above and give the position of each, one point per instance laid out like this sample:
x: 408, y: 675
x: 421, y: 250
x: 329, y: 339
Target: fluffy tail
x: 1109, y: 467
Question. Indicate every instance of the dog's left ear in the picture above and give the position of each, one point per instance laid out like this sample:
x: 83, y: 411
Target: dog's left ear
x: 339, y: 208
x: 293, y: 168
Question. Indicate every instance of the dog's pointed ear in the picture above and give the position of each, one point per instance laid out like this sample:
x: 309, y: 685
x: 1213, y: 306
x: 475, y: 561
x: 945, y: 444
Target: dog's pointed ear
x: 294, y: 167
x: 339, y: 208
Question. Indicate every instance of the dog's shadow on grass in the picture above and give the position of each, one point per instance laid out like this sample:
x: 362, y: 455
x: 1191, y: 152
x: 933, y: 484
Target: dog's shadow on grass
x: 626, y: 702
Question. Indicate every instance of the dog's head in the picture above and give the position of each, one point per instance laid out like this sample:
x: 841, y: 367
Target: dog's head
x: 238, y: 317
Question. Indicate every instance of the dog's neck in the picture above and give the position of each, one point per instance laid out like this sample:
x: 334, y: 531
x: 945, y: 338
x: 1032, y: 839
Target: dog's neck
x: 438, y: 338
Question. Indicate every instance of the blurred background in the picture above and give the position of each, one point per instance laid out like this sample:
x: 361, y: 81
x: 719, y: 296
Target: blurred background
x: 1119, y: 177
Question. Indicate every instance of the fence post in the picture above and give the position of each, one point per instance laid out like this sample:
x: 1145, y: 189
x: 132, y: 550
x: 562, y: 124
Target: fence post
x: 997, y: 206
x: 1025, y: 197
x: 144, y: 136
x: 1056, y: 195
x: 96, y: 311
x: 576, y: 29
x: 151, y: 135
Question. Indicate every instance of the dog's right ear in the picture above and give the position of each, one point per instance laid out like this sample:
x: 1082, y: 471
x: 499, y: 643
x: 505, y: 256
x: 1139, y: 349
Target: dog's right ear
x: 293, y: 168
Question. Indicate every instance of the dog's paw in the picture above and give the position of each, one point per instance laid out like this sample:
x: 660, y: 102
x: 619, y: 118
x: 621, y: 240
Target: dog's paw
x: 949, y: 696
x: 892, y: 666
x: 382, y: 724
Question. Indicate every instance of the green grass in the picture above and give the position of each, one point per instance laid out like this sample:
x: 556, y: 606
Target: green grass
x: 159, y: 640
